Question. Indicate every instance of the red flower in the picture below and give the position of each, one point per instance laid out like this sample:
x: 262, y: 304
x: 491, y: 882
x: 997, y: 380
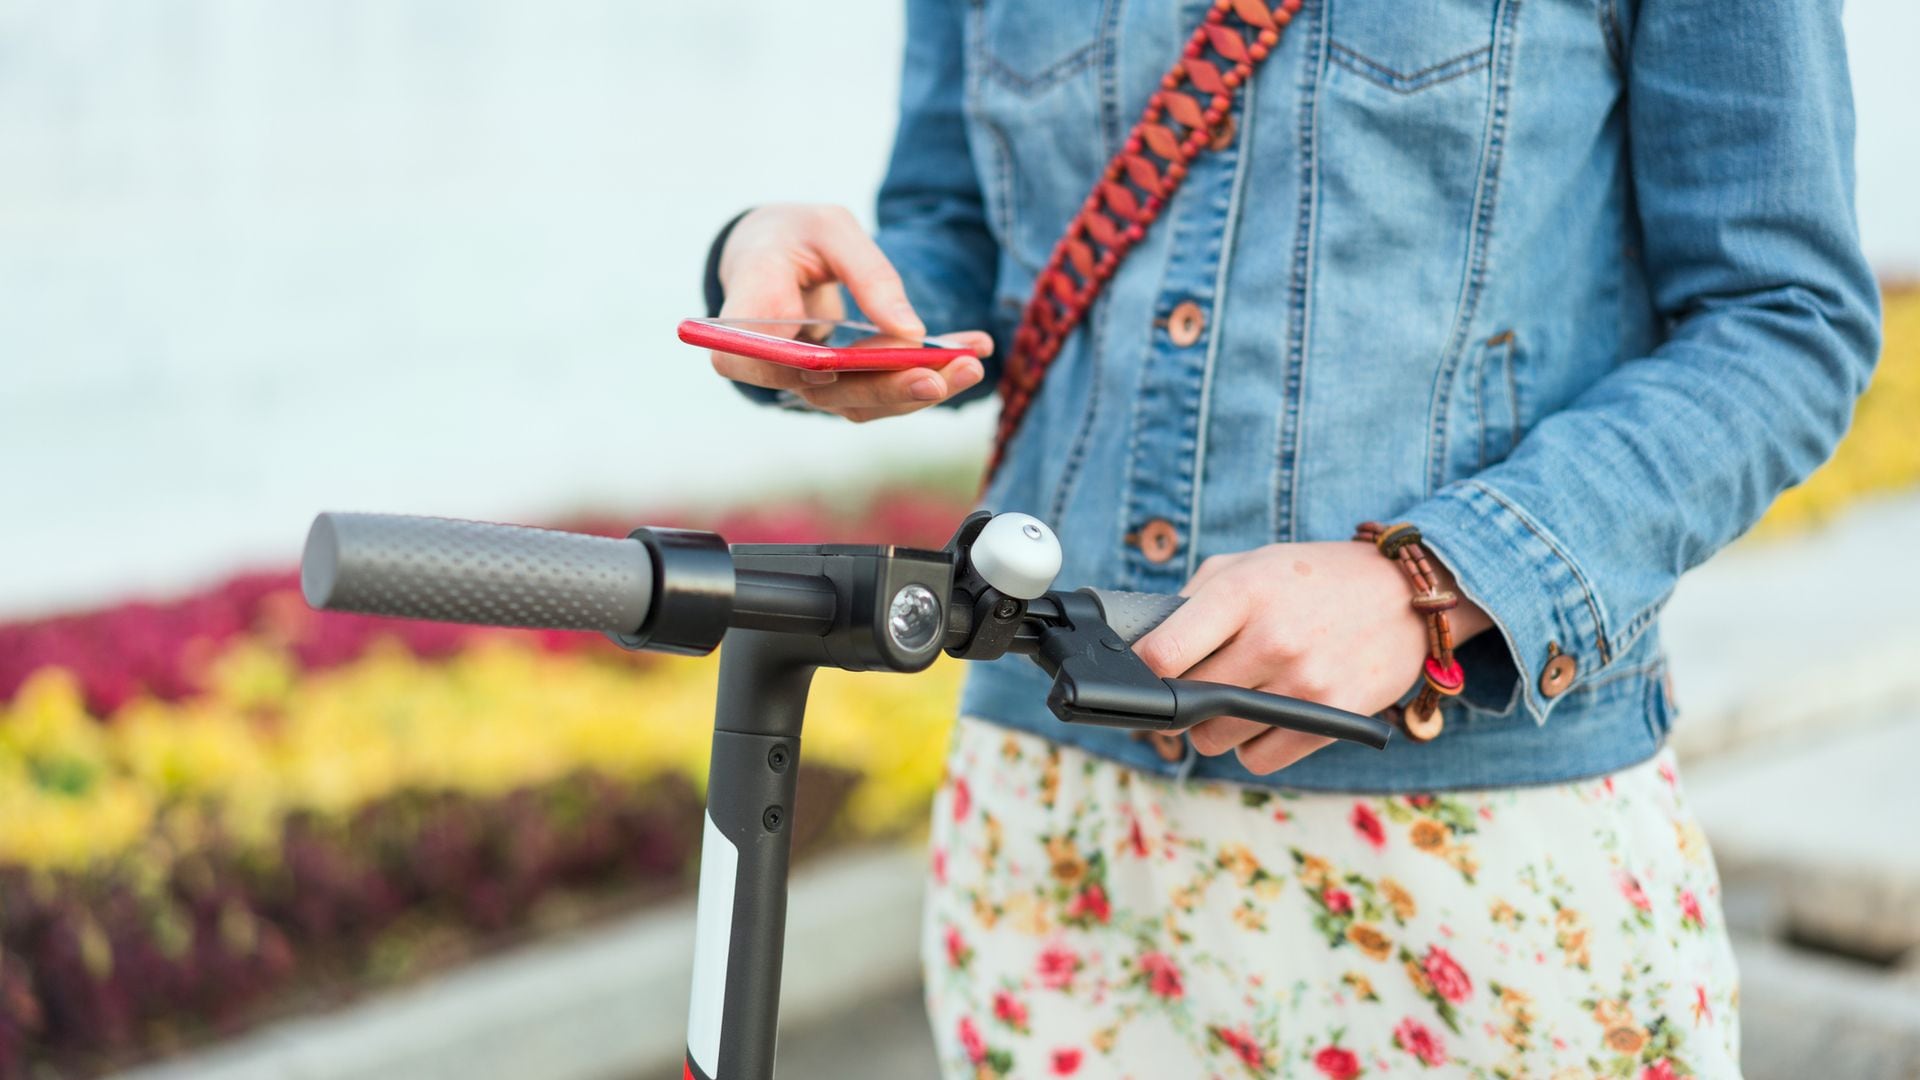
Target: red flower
x: 1367, y: 824
x: 1630, y: 888
x: 1241, y: 1042
x: 1066, y: 1062
x: 1415, y: 1038
x: 1659, y: 1070
x: 957, y: 951
x: 1690, y: 909
x: 940, y: 865
x: 1137, y: 839
x: 1448, y: 980
x: 962, y: 799
x: 971, y: 1042
x: 1337, y: 1063
x: 1008, y: 1010
x: 1091, y: 904
x: 1419, y: 801
x: 1057, y: 966
x: 1163, y: 978
x: 1338, y: 901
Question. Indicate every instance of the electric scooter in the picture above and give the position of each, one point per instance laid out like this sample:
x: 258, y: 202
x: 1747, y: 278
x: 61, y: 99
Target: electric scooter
x: 784, y: 611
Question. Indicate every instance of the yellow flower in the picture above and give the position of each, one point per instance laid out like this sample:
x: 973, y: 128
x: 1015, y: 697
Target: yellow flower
x: 1613, y: 1014
x: 1069, y: 866
x: 1026, y: 914
x: 1315, y: 872
x: 1249, y: 917
x: 1418, y: 978
x: 1514, y: 1002
x: 1429, y: 835
x: 1626, y: 1040
x: 1398, y: 898
x: 1503, y: 913
x: 984, y: 912
x: 1238, y: 860
x: 1362, y: 986
x: 1369, y: 940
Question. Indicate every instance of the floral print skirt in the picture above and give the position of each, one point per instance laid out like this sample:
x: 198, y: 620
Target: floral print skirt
x: 1089, y: 921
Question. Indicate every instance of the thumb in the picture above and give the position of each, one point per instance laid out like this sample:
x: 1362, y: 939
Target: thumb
x: 862, y: 267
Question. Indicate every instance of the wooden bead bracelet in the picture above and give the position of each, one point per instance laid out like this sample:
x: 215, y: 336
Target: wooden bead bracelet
x: 1442, y: 676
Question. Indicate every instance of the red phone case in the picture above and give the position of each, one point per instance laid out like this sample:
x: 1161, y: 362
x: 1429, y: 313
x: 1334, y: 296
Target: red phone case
x: 805, y: 354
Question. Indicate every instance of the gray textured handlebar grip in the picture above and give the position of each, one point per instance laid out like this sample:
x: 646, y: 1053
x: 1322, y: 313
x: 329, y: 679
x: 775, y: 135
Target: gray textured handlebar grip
x: 472, y: 572
x: 1132, y: 614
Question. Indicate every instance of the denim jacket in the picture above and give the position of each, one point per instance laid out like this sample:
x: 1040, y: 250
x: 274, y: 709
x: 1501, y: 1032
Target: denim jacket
x: 1572, y: 285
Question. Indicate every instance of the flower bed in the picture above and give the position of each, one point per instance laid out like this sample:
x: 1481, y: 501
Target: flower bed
x: 228, y: 806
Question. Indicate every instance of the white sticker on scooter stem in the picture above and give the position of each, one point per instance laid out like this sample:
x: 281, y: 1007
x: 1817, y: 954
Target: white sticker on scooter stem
x: 712, y: 938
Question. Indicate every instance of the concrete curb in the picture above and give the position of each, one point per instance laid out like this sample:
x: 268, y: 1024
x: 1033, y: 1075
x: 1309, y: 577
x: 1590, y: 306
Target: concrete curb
x: 604, y: 1004
x: 1803, y: 1016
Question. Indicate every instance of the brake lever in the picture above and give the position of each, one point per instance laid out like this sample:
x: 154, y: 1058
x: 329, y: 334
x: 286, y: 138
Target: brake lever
x: 1099, y: 679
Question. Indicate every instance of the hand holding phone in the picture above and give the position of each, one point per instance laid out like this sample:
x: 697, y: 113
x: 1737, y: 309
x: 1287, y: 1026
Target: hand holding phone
x: 787, y: 263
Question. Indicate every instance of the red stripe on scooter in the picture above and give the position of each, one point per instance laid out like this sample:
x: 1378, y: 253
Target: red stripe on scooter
x: 686, y: 1070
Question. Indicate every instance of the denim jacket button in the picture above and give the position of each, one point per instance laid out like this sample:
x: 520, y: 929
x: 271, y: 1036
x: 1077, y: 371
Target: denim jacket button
x: 1158, y: 540
x: 1558, y: 675
x: 1186, y: 323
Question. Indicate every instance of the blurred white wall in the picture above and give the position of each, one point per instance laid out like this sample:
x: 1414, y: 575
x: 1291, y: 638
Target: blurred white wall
x: 258, y: 259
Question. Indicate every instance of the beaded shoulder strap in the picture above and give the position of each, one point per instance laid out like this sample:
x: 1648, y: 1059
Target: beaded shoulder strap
x: 1182, y: 119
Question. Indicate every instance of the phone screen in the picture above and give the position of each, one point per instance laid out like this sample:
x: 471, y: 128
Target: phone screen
x: 832, y: 333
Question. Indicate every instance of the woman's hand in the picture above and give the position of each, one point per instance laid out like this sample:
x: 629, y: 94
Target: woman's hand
x: 787, y: 262
x: 1326, y: 622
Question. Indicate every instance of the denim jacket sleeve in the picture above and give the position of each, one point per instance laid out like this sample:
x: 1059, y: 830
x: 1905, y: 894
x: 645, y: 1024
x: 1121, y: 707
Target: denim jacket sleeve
x: 1741, y: 133
x: 932, y: 216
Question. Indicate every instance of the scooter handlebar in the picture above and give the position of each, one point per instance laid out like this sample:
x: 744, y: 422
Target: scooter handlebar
x: 1133, y: 614
x: 474, y: 572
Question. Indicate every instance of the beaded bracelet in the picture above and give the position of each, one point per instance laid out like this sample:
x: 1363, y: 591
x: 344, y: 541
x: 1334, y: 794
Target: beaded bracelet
x: 1442, y: 675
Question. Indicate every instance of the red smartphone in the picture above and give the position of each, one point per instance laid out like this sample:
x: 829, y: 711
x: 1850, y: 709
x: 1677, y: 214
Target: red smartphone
x: 819, y: 344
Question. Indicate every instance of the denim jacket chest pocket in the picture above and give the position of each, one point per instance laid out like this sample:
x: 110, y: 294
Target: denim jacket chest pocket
x: 1033, y: 99
x: 1412, y: 46
x: 1414, y: 97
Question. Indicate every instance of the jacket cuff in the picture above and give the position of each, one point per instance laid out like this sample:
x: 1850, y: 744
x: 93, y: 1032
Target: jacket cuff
x: 715, y: 296
x: 1550, y: 626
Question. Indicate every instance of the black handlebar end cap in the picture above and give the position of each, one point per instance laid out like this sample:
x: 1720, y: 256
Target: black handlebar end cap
x: 693, y: 583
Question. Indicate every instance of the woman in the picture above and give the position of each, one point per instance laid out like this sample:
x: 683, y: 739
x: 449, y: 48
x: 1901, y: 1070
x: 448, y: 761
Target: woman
x: 1570, y: 287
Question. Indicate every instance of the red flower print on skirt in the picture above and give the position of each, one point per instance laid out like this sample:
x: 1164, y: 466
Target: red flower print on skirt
x: 1630, y: 888
x: 1163, y: 977
x: 1448, y: 980
x: 1091, y: 904
x: 1337, y: 1063
x: 970, y: 1040
x: 1417, y: 1039
x: 1367, y: 824
x: 1241, y: 1042
x: 1066, y: 1062
x: 1056, y: 967
x: 1009, y: 1010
